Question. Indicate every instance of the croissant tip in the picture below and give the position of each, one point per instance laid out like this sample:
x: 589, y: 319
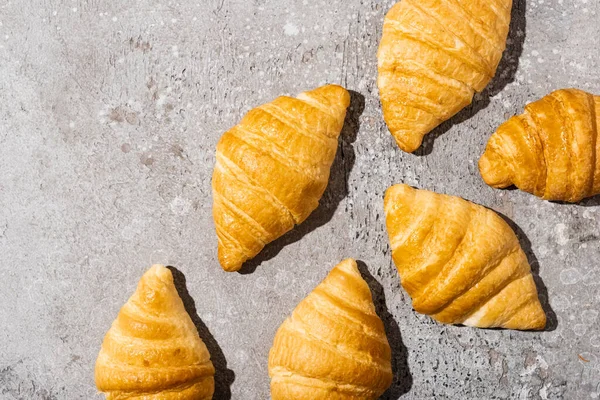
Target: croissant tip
x: 492, y: 171
x: 230, y: 268
x: 350, y: 265
x: 408, y: 145
x: 160, y: 270
x: 229, y: 265
x: 396, y: 188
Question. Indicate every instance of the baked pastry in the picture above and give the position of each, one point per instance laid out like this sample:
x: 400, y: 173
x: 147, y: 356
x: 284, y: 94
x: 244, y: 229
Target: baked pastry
x: 460, y: 262
x: 433, y: 56
x: 272, y: 170
x: 552, y: 150
x: 333, y: 347
x: 152, y: 350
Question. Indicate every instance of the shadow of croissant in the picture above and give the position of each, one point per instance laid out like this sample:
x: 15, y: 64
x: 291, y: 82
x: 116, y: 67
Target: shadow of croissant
x: 551, y: 320
x: 336, y: 191
x: 402, y: 381
x: 224, y: 377
x: 505, y: 74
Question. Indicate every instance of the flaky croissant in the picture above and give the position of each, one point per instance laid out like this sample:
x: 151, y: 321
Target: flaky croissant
x: 152, y: 350
x: 334, y: 346
x: 552, y: 150
x: 272, y: 170
x: 460, y: 262
x: 433, y: 56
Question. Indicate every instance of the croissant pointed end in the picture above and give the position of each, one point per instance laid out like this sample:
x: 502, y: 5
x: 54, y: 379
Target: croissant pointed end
x: 530, y: 318
x: 395, y: 191
x: 493, y: 171
x: 408, y: 144
x: 349, y: 265
x: 230, y: 259
x: 161, y: 272
x: 334, y: 92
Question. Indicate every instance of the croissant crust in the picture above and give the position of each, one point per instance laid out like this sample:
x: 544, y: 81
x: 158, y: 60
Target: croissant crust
x: 551, y: 150
x: 460, y: 262
x: 272, y: 169
x: 433, y: 56
x: 333, y: 347
x: 152, y: 350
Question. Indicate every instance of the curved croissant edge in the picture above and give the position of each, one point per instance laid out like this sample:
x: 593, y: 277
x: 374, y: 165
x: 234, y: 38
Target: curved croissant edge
x: 552, y: 150
x: 460, y: 262
x: 152, y: 349
x: 334, y: 345
x: 272, y: 169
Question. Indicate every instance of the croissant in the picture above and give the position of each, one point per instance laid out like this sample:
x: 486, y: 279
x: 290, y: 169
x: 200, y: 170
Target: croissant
x: 460, y: 262
x: 552, y: 150
x: 333, y: 347
x: 152, y: 350
x: 433, y: 56
x: 272, y: 170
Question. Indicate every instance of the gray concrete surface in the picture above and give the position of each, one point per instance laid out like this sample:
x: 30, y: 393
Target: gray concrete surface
x: 109, y: 115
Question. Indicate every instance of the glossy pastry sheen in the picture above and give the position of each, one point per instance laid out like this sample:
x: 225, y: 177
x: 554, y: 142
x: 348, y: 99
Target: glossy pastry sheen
x: 272, y: 170
x: 152, y: 350
x: 460, y: 262
x: 433, y: 56
x: 334, y: 346
x: 551, y: 150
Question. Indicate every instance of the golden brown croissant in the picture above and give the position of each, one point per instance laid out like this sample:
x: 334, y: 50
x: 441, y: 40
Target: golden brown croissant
x: 460, y: 262
x: 551, y: 150
x: 152, y: 350
x: 334, y: 346
x: 433, y: 56
x: 272, y: 170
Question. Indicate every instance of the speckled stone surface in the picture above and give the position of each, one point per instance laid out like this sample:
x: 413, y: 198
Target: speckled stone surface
x: 109, y: 116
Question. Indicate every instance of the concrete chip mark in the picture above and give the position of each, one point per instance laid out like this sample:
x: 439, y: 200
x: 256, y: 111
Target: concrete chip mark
x: 570, y: 276
x: 580, y: 329
x: 147, y: 159
x: 134, y: 228
x: 284, y: 280
x: 589, y: 316
x: 504, y: 377
x: 151, y: 83
x: 261, y: 283
x: 140, y: 44
x: 494, y: 357
x: 592, y: 278
x: 308, y: 55
x: 180, y: 206
x: 534, y: 363
x: 290, y: 29
x: 561, y: 234
x: 560, y: 302
x: 122, y: 114
x: 589, y: 238
x: 178, y: 151
x: 21, y: 385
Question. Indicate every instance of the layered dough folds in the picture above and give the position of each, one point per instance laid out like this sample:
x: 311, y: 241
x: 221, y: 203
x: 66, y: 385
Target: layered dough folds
x: 152, y: 350
x: 460, y: 262
x: 334, y: 346
x: 552, y: 150
x: 433, y: 56
x: 272, y: 170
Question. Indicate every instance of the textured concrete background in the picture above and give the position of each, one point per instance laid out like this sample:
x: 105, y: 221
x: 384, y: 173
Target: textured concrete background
x: 109, y: 116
